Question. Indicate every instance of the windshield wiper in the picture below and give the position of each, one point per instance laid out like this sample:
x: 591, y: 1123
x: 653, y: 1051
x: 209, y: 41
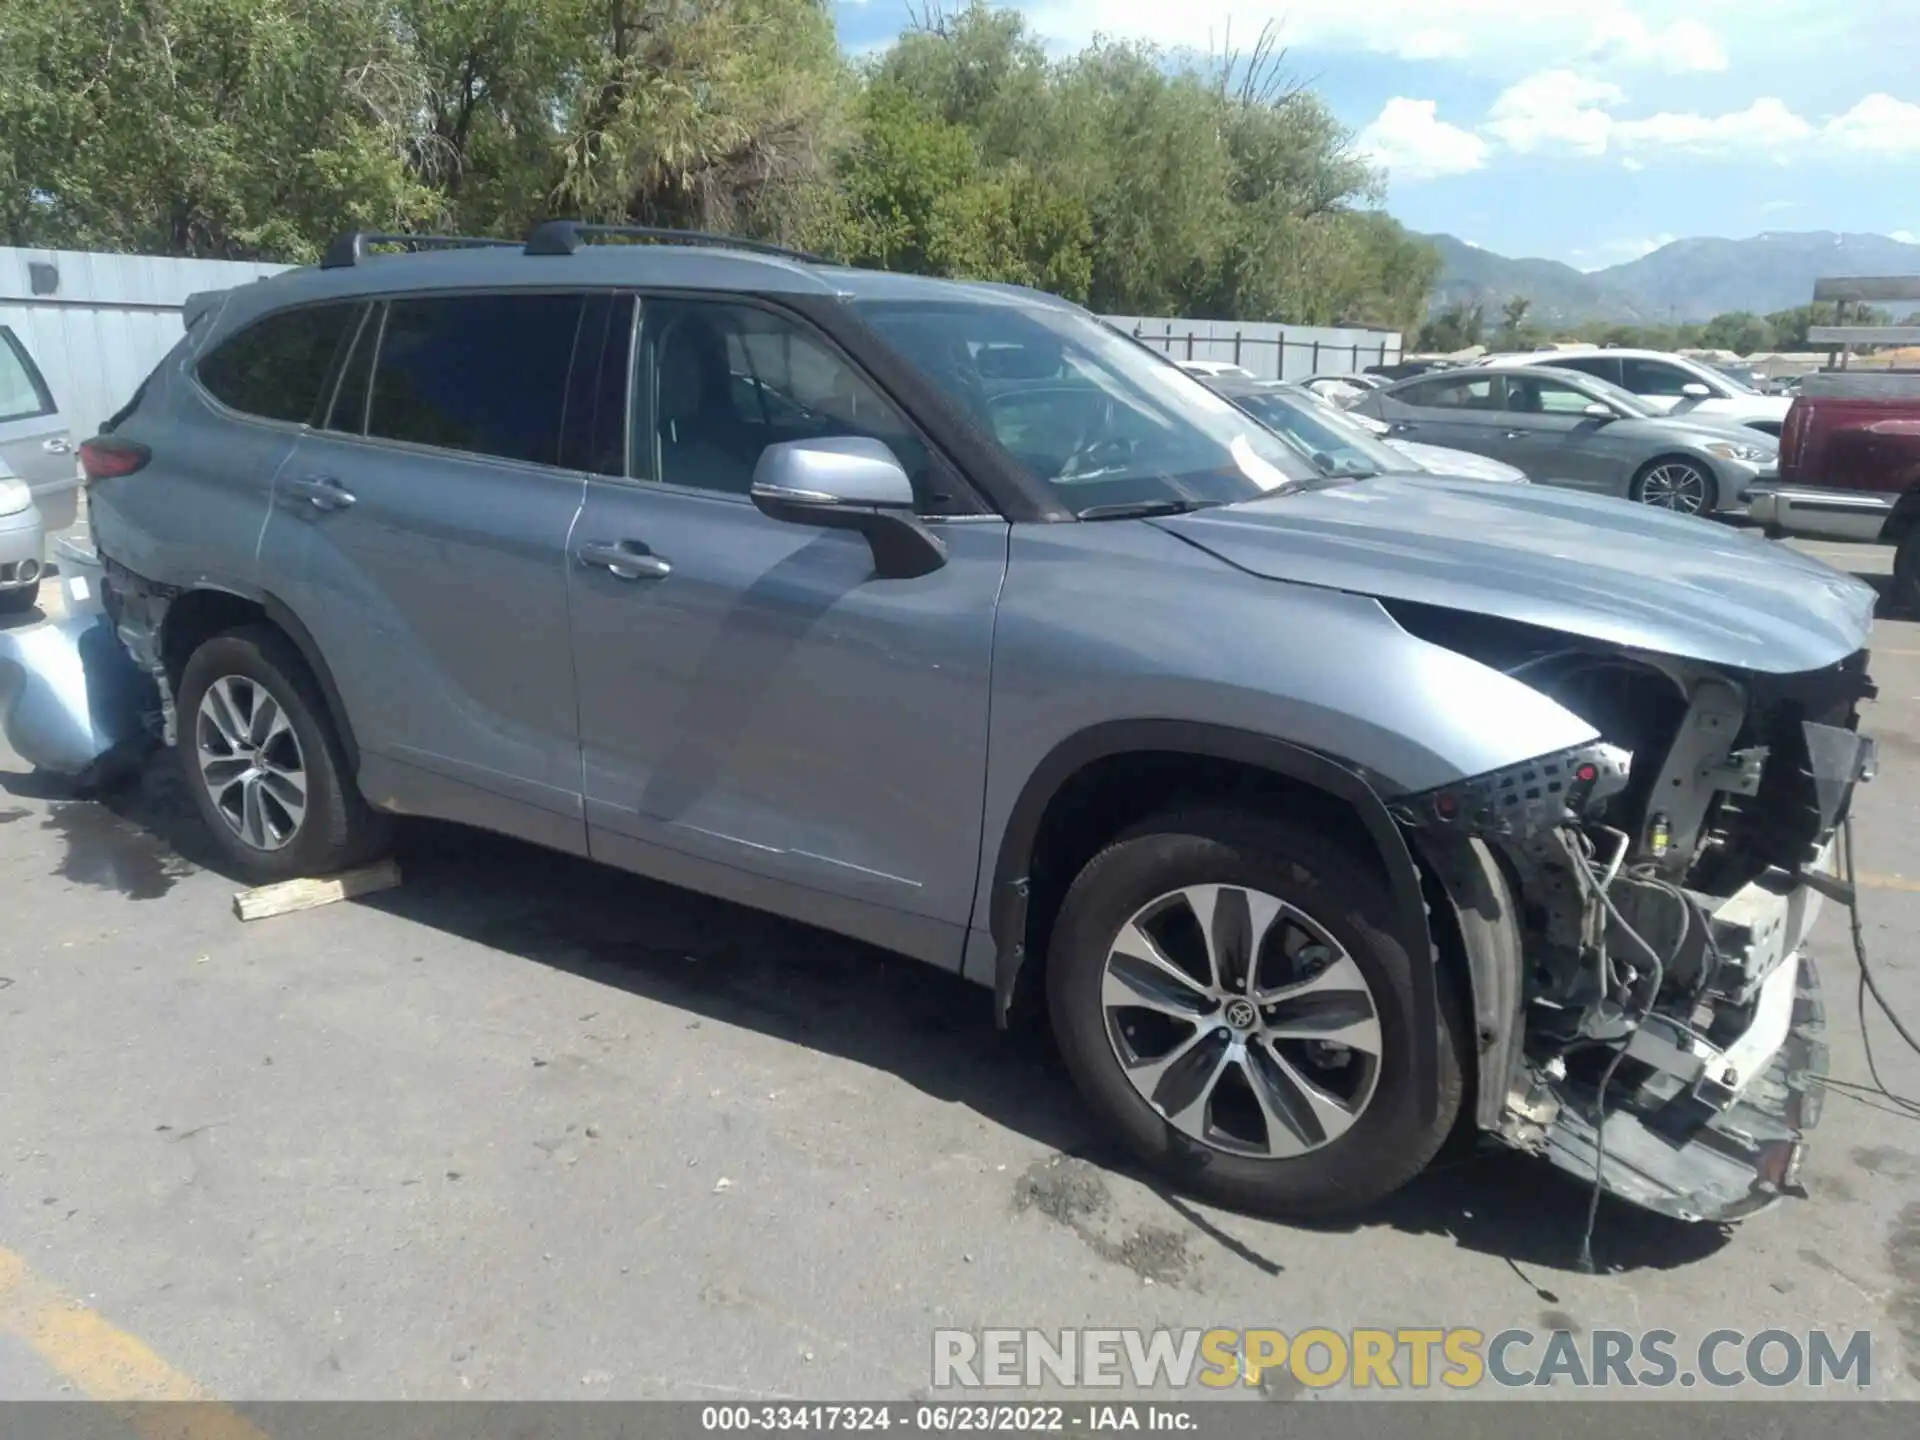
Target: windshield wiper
x: 1140, y: 509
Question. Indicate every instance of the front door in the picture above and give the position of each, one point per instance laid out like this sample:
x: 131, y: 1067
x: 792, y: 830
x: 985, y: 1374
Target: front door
x: 762, y: 717
x: 1546, y: 432
x: 420, y: 534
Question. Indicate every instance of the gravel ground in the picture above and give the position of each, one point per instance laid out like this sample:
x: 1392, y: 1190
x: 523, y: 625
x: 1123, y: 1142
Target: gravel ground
x: 525, y: 1128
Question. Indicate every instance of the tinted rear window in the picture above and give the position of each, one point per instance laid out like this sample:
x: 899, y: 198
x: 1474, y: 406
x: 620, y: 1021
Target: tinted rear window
x: 275, y: 367
x: 481, y: 373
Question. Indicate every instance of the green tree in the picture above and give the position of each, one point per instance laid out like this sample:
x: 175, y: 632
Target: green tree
x: 1458, y: 326
x: 1740, y: 331
x: 1514, y: 334
x: 206, y: 127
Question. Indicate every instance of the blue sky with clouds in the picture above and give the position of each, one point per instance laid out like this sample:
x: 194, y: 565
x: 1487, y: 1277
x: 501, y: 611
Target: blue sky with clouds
x: 1588, y: 131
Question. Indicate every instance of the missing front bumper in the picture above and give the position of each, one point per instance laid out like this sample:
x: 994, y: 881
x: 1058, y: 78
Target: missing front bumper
x: 1671, y: 1153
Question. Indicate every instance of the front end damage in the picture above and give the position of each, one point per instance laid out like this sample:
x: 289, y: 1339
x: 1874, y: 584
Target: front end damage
x: 1632, y: 913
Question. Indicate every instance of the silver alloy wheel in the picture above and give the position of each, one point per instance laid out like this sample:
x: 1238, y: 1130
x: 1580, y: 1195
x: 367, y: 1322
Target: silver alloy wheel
x: 251, y: 763
x: 1676, y: 485
x: 1241, y: 1021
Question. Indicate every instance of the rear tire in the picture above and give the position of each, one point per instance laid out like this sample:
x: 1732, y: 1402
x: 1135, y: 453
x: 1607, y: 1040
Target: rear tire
x: 1287, y: 1125
x: 1676, y: 483
x: 19, y: 602
x: 264, y: 765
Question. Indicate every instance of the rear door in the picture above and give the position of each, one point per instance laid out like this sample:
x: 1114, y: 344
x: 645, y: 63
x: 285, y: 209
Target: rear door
x: 34, y: 441
x: 1459, y: 409
x: 763, y: 717
x: 419, y: 532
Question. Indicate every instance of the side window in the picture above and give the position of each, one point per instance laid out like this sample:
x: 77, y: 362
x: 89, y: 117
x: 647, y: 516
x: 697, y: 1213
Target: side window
x: 596, y: 433
x: 1654, y: 377
x: 275, y: 367
x: 1452, y: 392
x: 349, y: 410
x: 726, y: 381
x: 1531, y: 395
x: 1601, y: 367
x: 485, y: 374
x: 23, y: 394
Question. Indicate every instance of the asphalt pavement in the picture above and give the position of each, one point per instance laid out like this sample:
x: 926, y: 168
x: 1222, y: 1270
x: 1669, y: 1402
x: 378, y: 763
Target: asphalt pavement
x: 525, y: 1128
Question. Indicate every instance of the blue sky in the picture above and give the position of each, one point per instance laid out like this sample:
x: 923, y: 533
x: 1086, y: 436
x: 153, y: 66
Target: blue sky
x: 1588, y: 131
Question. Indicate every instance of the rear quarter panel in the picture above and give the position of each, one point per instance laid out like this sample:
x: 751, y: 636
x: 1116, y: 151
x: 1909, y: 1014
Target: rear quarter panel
x: 195, y: 514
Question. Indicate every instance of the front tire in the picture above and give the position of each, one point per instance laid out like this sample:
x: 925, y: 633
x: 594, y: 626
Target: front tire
x: 1676, y: 483
x: 266, y: 769
x: 1229, y: 1001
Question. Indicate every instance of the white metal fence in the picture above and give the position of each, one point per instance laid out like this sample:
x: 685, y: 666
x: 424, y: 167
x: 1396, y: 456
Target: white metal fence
x: 1271, y: 351
x: 96, y: 324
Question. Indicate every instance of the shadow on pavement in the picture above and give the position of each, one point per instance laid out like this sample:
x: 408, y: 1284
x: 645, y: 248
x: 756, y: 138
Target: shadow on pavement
x: 724, y: 963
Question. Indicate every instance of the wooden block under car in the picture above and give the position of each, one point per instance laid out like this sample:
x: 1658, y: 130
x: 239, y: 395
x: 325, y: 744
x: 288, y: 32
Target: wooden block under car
x: 264, y: 901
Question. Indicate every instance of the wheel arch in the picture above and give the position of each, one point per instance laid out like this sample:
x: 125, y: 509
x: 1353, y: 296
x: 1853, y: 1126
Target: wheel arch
x: 1025, y: 890
x: 197, y: 615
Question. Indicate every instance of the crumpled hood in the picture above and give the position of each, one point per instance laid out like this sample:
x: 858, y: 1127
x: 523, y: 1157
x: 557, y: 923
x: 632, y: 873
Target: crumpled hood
x: 1583, y: 565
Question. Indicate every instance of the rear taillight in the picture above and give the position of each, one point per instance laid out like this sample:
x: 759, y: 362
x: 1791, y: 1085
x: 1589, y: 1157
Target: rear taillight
x: 106, y: 457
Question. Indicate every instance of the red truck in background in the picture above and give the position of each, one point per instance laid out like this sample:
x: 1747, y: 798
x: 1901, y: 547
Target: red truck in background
x: 1850, y: 469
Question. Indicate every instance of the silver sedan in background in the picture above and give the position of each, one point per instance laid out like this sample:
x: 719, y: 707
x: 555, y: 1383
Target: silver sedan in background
x: 1340, y: 442
x: 1566, y: 428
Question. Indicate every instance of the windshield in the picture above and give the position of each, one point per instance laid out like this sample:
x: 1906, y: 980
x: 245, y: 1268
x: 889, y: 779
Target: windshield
x: 1741, y: 380
x: 1096, y: 415
x: 1335, y: 443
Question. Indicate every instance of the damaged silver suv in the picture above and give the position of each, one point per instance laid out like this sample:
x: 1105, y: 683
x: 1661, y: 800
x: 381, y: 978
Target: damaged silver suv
x: 1319, y: 814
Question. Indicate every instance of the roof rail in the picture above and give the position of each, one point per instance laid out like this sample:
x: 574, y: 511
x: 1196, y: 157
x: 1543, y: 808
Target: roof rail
x: 349, y: 248
x: 563, y: 237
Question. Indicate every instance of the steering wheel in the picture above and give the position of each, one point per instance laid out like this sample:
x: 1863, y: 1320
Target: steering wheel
x: 1094, y: 445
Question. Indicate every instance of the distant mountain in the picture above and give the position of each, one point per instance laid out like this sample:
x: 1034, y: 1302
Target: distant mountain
x: 1685, y: 280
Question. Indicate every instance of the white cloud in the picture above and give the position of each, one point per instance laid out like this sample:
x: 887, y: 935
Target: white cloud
x: 1628, y: 37
x: 1555, y: 110
x: 1567, y: 113
x: 1905, y: 237
x: 1878, y: 125
x: 1411, y: 142
x: 1766, y: 126
x: 1624, y: 32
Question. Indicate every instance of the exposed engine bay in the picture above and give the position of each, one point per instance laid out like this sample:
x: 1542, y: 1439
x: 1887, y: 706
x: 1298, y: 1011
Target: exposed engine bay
x: 1664, y: 1034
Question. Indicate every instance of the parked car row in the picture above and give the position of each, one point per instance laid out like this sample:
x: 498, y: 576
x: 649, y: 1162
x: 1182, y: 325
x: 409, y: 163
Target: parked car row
x: 1666, y: 384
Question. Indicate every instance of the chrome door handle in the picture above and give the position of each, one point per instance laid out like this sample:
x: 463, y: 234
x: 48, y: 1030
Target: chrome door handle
x: 323, y: 492
x: 1402, y: 427
x: 1515, y: 435
x: 624, y: 561
x: 57, y: 445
